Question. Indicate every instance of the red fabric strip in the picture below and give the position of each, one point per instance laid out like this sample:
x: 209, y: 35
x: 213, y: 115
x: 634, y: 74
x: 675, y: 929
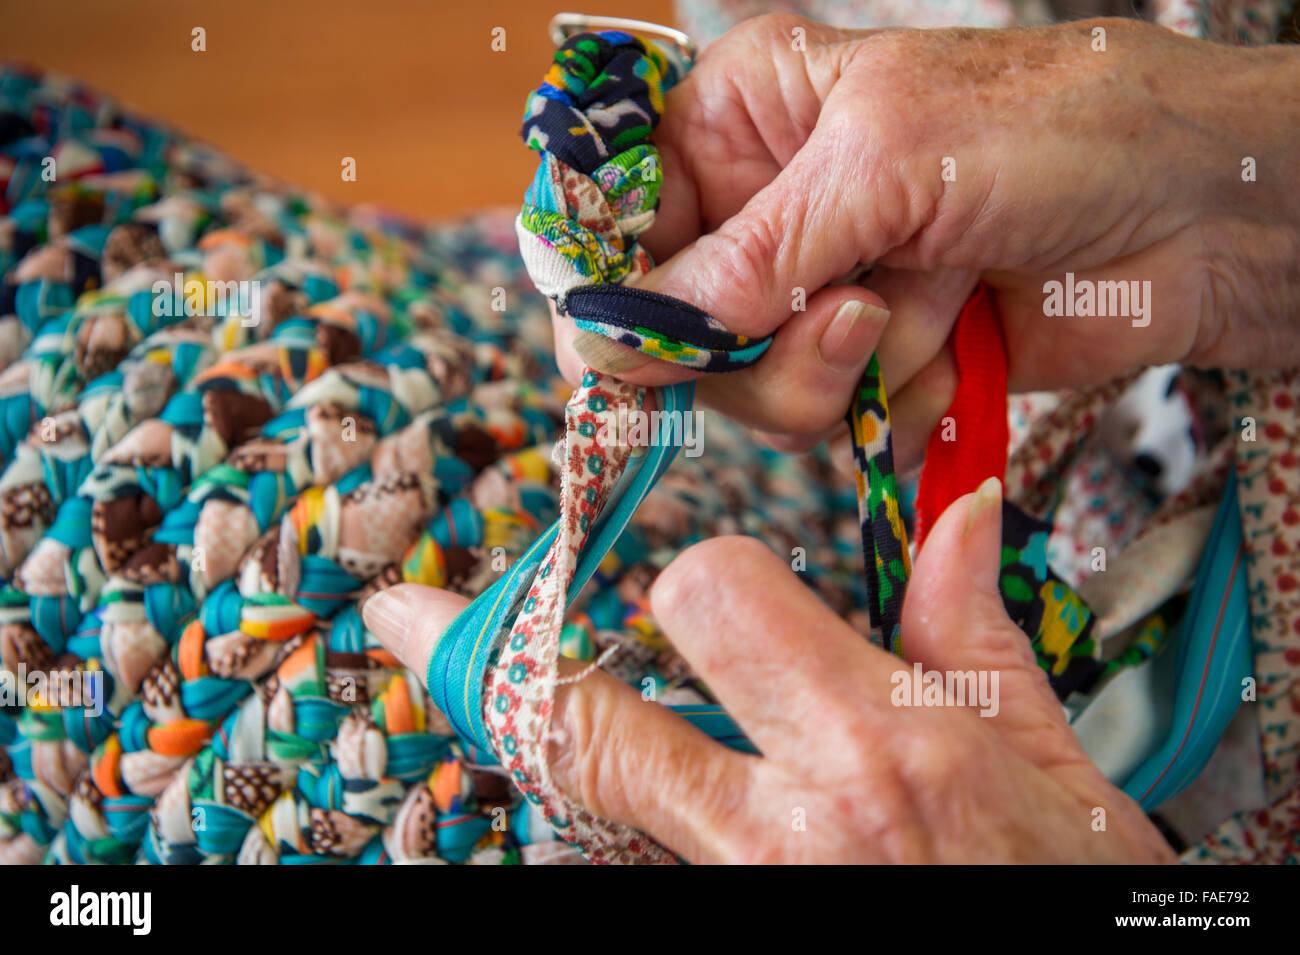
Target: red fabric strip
x: 978, y: 412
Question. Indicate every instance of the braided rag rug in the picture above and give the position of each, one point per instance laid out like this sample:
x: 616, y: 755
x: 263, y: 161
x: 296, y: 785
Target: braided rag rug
x: 196, y: 500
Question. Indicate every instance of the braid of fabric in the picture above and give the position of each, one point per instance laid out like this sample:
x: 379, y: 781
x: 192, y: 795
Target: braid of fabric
x: 192, y: 502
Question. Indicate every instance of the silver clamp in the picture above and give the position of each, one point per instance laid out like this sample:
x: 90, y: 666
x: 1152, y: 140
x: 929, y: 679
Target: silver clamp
x: 565, y: 25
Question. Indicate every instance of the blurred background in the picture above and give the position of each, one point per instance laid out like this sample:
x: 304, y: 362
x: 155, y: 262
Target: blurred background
x: 411, y: 88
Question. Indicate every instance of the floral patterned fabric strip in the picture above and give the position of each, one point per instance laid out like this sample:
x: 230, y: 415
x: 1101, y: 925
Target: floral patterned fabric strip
x: 887, y: 563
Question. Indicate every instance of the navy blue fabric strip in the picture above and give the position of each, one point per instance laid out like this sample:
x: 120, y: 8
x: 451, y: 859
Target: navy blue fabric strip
x: 641, y: 311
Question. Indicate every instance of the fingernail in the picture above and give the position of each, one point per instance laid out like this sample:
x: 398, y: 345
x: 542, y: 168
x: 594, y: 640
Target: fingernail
x: 389, y: 617
x: 563, y: 757
x: 987, y: 496
x: 605, y: 355
x: 849, y: 338
x: 982, y: 533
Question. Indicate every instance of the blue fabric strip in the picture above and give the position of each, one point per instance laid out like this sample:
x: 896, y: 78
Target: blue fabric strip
x: 461, y: 661
x: 1214, y: 659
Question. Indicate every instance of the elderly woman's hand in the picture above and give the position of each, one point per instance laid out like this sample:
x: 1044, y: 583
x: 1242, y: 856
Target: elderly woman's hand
x: 794, y: 151
x: 848, y: 774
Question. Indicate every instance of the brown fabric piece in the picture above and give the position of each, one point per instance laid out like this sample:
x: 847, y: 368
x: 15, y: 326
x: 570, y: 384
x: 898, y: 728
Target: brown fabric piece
x: 265, y: 553
x: 25, y: 505
x: 234, y: 416
x: 22, y: 645
x: 251, y: 787
x: 476, y: 447
x: 154, y: 563
x: 127, y: 246
x: 102, y: 342
x: 259, y: 454
x: 121, y: 527
x: 71, y: 208
x: 160, y: 692
x: 338, y: 343
x: 461, y: 562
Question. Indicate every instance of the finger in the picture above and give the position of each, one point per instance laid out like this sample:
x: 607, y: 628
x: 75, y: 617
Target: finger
x: 799, y: 231
x: 803, y: 382
x: 641, y: 764
x: 840, y: 448
x: 611, y: 357
x: 919, y: 407
x: 954, y: 620
x: 924, y: 307
x: 621, y: 757
x: 795, y: 387
x: 787, y: 669
x: 575, y: 350
x: 745, y: 111
x: 409, y: 619
x: 916, y: 364
x: 914, y: 413
x: 806, y: 380
x: 678, y: 220
x: 799, y: 443
x: 567, y: 358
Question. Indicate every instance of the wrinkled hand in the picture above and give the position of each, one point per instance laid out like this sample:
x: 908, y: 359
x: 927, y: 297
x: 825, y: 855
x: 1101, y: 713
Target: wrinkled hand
x: 868, y: 780
x: 785, y: 168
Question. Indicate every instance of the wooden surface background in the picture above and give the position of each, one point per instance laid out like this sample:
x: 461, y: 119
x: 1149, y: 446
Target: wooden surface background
x: 412, y: 90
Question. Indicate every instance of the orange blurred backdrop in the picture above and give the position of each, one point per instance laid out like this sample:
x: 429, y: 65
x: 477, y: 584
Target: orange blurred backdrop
x: 412, y: 90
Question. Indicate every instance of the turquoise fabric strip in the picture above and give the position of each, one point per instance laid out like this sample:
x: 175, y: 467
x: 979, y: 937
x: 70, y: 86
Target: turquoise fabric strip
x: 1214, y: 660
x: 460, y: 664
x: 714, y: 722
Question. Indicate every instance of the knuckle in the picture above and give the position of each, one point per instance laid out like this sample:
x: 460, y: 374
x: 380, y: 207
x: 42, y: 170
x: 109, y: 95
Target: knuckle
x: 692, y: 576
x: 802, y: 413
x: 742, y: 254
x: 930, y: 760
x: 822, y: 412
x: 772, y: 28
x: 740, y: 553
x: 676, y: 585
x: 584, y: 756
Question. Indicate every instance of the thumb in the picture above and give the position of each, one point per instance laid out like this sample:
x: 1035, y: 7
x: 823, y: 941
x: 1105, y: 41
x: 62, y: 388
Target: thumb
x: 622, y: 757
x: 954, y: 619
x: 794, y: 236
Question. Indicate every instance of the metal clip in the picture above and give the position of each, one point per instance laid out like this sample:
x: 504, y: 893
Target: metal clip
x: 565, y: 25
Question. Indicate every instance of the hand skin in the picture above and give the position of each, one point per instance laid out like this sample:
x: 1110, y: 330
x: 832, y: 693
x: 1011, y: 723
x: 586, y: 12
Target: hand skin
x: 875, y: 782
x: 786, y: 169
